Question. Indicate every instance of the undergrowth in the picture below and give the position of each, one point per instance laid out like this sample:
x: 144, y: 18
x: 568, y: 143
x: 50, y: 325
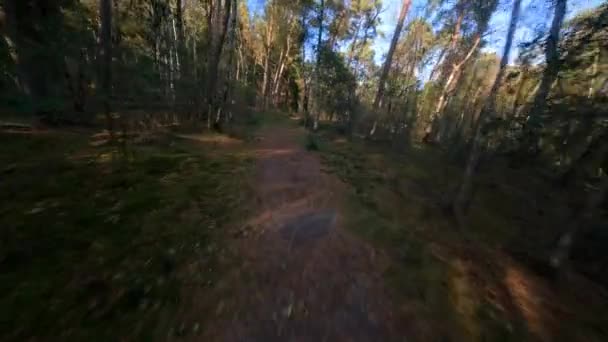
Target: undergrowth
x: 458, y: 289
x: 93, y: 243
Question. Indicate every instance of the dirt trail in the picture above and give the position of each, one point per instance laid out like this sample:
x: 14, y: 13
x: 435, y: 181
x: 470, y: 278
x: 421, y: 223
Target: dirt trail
x: 303, y: 277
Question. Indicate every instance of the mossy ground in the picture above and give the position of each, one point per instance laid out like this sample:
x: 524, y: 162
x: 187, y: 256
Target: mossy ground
x: 94, y: 241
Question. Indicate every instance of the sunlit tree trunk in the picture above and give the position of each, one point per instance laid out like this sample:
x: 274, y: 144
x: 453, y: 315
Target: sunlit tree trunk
x: 463, y: 197
x: 279, y: 74
x: 449, y: 87
x: 450, y: 50
x: 405, y: 7
x: 267, y: 50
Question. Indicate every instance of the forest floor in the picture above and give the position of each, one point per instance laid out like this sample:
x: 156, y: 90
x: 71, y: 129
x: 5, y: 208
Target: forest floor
x: 470, y: 282
x: 100, y: 245
x: 281, y: 235
x: 303, y: 276
x: 346, y: 242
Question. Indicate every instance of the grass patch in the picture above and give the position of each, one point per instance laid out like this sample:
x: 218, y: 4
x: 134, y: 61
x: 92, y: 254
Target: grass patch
x: 92, y: 248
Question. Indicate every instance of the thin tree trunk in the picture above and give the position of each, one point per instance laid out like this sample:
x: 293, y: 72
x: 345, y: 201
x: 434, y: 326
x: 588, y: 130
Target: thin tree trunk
x: 279, y: 75
x: 266, y: 77
x: 518, y: 95
x: 105, y: 53
x: 278, y: 70
x: 228, y: 86
x: 353, y: 45
x: 181, y: 39
x: 405, y: 7
x: 450, y: 49
x: 549, y: 75
x: 450, y: 86
x: 317, y: 97
x: 176, y: 47
x: 463, y: 197
x: 12, y: 40
x: 217, y: 47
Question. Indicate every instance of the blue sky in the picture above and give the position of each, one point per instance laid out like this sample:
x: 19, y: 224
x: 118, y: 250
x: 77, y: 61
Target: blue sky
x: 536, y: 14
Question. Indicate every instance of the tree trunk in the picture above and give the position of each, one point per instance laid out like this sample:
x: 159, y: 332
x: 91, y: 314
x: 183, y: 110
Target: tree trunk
x: 449, y: 87
x: 105, y: 54
x: 549, y: 76
x: 279, y: 70
x: 12, y: 40
x: 463, y: 197
x: 449, y: 51
x: 353, y: 45
x: 218, y: 44
x: 267, y: 48
x: 181, y: 39
x: 405, y: 7
x: 228, y: 85
x: 284, y: 60
x: 519, y: 93
x: 317, y: 97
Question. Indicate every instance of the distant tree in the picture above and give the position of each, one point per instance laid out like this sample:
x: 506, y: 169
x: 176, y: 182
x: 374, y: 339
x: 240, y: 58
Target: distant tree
x: 405, y: 7
x: 105, y: 59
x: 464, y: 194
x: 548, y: 77
x: 318, y: 66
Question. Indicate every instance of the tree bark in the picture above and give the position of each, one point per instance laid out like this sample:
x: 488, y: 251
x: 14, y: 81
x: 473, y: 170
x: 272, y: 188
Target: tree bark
x: 463, y: 197
x: 405, y: 7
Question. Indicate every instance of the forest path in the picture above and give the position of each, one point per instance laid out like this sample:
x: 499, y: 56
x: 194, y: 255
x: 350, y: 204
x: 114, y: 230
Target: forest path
x: 303, y: 277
